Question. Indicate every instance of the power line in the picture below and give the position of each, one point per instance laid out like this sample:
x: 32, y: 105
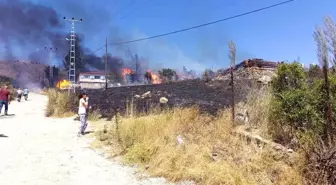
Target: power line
x: 123, y: 16
x: 206, y: 24
x: 201, y: 25
x: 97, y: 50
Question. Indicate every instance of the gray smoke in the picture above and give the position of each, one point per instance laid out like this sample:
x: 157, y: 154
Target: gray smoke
x: 28, y: 26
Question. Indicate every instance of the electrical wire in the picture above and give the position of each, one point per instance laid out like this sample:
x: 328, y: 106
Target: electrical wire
x: 201, y: 25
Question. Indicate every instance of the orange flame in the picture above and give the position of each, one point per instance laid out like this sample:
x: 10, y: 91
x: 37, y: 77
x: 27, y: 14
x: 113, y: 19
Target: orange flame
x: 126, y: 71
x: 63, y: 84
x: 155, y: 77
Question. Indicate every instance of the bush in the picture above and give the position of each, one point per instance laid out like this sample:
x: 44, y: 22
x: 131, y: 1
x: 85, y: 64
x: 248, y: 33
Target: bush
x: 94, y: 115
x: 293, y: 110
x: 60, y: 104
x: 298, y: 109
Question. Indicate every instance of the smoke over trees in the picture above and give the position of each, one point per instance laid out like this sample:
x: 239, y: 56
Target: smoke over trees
x: 28, y: 25
x: 31, y: 27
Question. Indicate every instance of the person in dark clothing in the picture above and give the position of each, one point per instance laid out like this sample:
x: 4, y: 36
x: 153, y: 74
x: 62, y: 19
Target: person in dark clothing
x: 5, y: 98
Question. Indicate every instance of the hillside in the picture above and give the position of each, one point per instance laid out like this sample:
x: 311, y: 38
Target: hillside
x: 25, y: 73
x: 210, y: 96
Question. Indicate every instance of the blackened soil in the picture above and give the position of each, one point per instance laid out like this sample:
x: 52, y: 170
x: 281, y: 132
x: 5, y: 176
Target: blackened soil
x: 209, y: 97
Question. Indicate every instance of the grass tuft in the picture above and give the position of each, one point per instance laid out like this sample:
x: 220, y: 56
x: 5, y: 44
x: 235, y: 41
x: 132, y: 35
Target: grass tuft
x: 59, y: 104
x: 94, y: 115
x: 208, y: 153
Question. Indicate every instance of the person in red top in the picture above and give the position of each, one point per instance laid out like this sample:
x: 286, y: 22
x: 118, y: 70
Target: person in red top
x: 4, y: 98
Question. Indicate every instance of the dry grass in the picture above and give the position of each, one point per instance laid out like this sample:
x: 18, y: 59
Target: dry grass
x: 210, y: 153
x: 258, y: 102
x: 59, y: 104
x: 94, y: 115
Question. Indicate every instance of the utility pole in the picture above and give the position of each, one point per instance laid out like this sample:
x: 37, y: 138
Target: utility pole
x: 51, y: 71
x: 72, y: 66
x: 106, y: 60
x: 137, y: 70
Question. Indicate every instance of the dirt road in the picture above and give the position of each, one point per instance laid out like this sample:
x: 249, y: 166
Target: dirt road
x: 36, y: 150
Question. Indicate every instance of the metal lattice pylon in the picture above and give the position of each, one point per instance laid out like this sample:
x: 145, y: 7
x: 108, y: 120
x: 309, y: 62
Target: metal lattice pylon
x: 72, y: 67
x: 72, y: 62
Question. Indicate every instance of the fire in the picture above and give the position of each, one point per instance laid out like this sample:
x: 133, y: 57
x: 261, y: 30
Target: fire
x: 126, y: 71
x: 63, y: 84
x: 155, y: 78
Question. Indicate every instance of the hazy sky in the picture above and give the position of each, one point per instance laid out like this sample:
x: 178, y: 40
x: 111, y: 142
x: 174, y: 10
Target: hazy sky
x: 281, y: 33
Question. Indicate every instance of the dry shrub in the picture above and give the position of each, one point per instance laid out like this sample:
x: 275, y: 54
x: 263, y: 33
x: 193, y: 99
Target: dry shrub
x: 94, y: 115
x: 59, y: 103
x: 210, y: 154
x: 258, y: 102
x: 321, y: 164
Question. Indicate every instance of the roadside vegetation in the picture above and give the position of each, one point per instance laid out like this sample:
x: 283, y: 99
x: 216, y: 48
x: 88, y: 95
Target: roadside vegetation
x: 60, y: 103
x: 296, y: 111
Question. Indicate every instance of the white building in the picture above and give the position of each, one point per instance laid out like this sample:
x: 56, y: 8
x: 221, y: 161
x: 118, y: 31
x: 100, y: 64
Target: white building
x: 92, y: 80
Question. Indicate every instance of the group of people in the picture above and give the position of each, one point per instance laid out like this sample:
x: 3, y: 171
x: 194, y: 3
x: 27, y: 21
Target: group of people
x: 24, y: 93
x: 5, y: 97
x: 5, y: 100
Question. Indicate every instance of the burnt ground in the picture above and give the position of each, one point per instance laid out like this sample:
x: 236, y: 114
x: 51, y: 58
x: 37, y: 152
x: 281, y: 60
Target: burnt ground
x: 209, y: 97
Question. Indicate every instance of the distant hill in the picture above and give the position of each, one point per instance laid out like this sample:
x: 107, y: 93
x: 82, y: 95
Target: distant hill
x: 24, y: 73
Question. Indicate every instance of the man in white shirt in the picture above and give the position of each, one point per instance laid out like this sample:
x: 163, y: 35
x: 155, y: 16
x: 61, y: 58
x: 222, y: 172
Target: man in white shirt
x: 82, y: 112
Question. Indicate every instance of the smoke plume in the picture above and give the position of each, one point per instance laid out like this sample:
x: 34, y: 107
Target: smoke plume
x: 29, y: 26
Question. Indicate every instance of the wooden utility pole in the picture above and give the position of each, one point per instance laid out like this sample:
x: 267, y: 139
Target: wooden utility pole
x: 232, y: 57
x: 106, y: 65
x: 51, y: 69
x: 232, y: 95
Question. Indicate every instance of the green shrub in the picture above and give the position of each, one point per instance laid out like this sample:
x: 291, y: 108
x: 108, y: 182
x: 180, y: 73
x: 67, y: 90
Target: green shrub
x: 294, y: 110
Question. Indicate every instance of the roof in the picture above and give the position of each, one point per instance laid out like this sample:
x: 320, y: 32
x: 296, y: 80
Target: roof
x: 92, y: 73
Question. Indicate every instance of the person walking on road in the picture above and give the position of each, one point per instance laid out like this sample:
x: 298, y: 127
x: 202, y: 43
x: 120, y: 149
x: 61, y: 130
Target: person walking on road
x: 19, y: 94
x: 5, y: 98
x: 25, y: 93
x: 82, y: 112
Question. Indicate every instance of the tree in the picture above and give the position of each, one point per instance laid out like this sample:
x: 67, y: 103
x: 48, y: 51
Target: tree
x: 208, y: 74
x: 232, y: 57
x: 137, y: 62
x: 148, y: 77
x: 168, y: 75
x: 114, y: 66
x: 322, y: 53
x: 314, y: 73
x: 292, y: 106
x: 330, y: 33
x: 55, y: 71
